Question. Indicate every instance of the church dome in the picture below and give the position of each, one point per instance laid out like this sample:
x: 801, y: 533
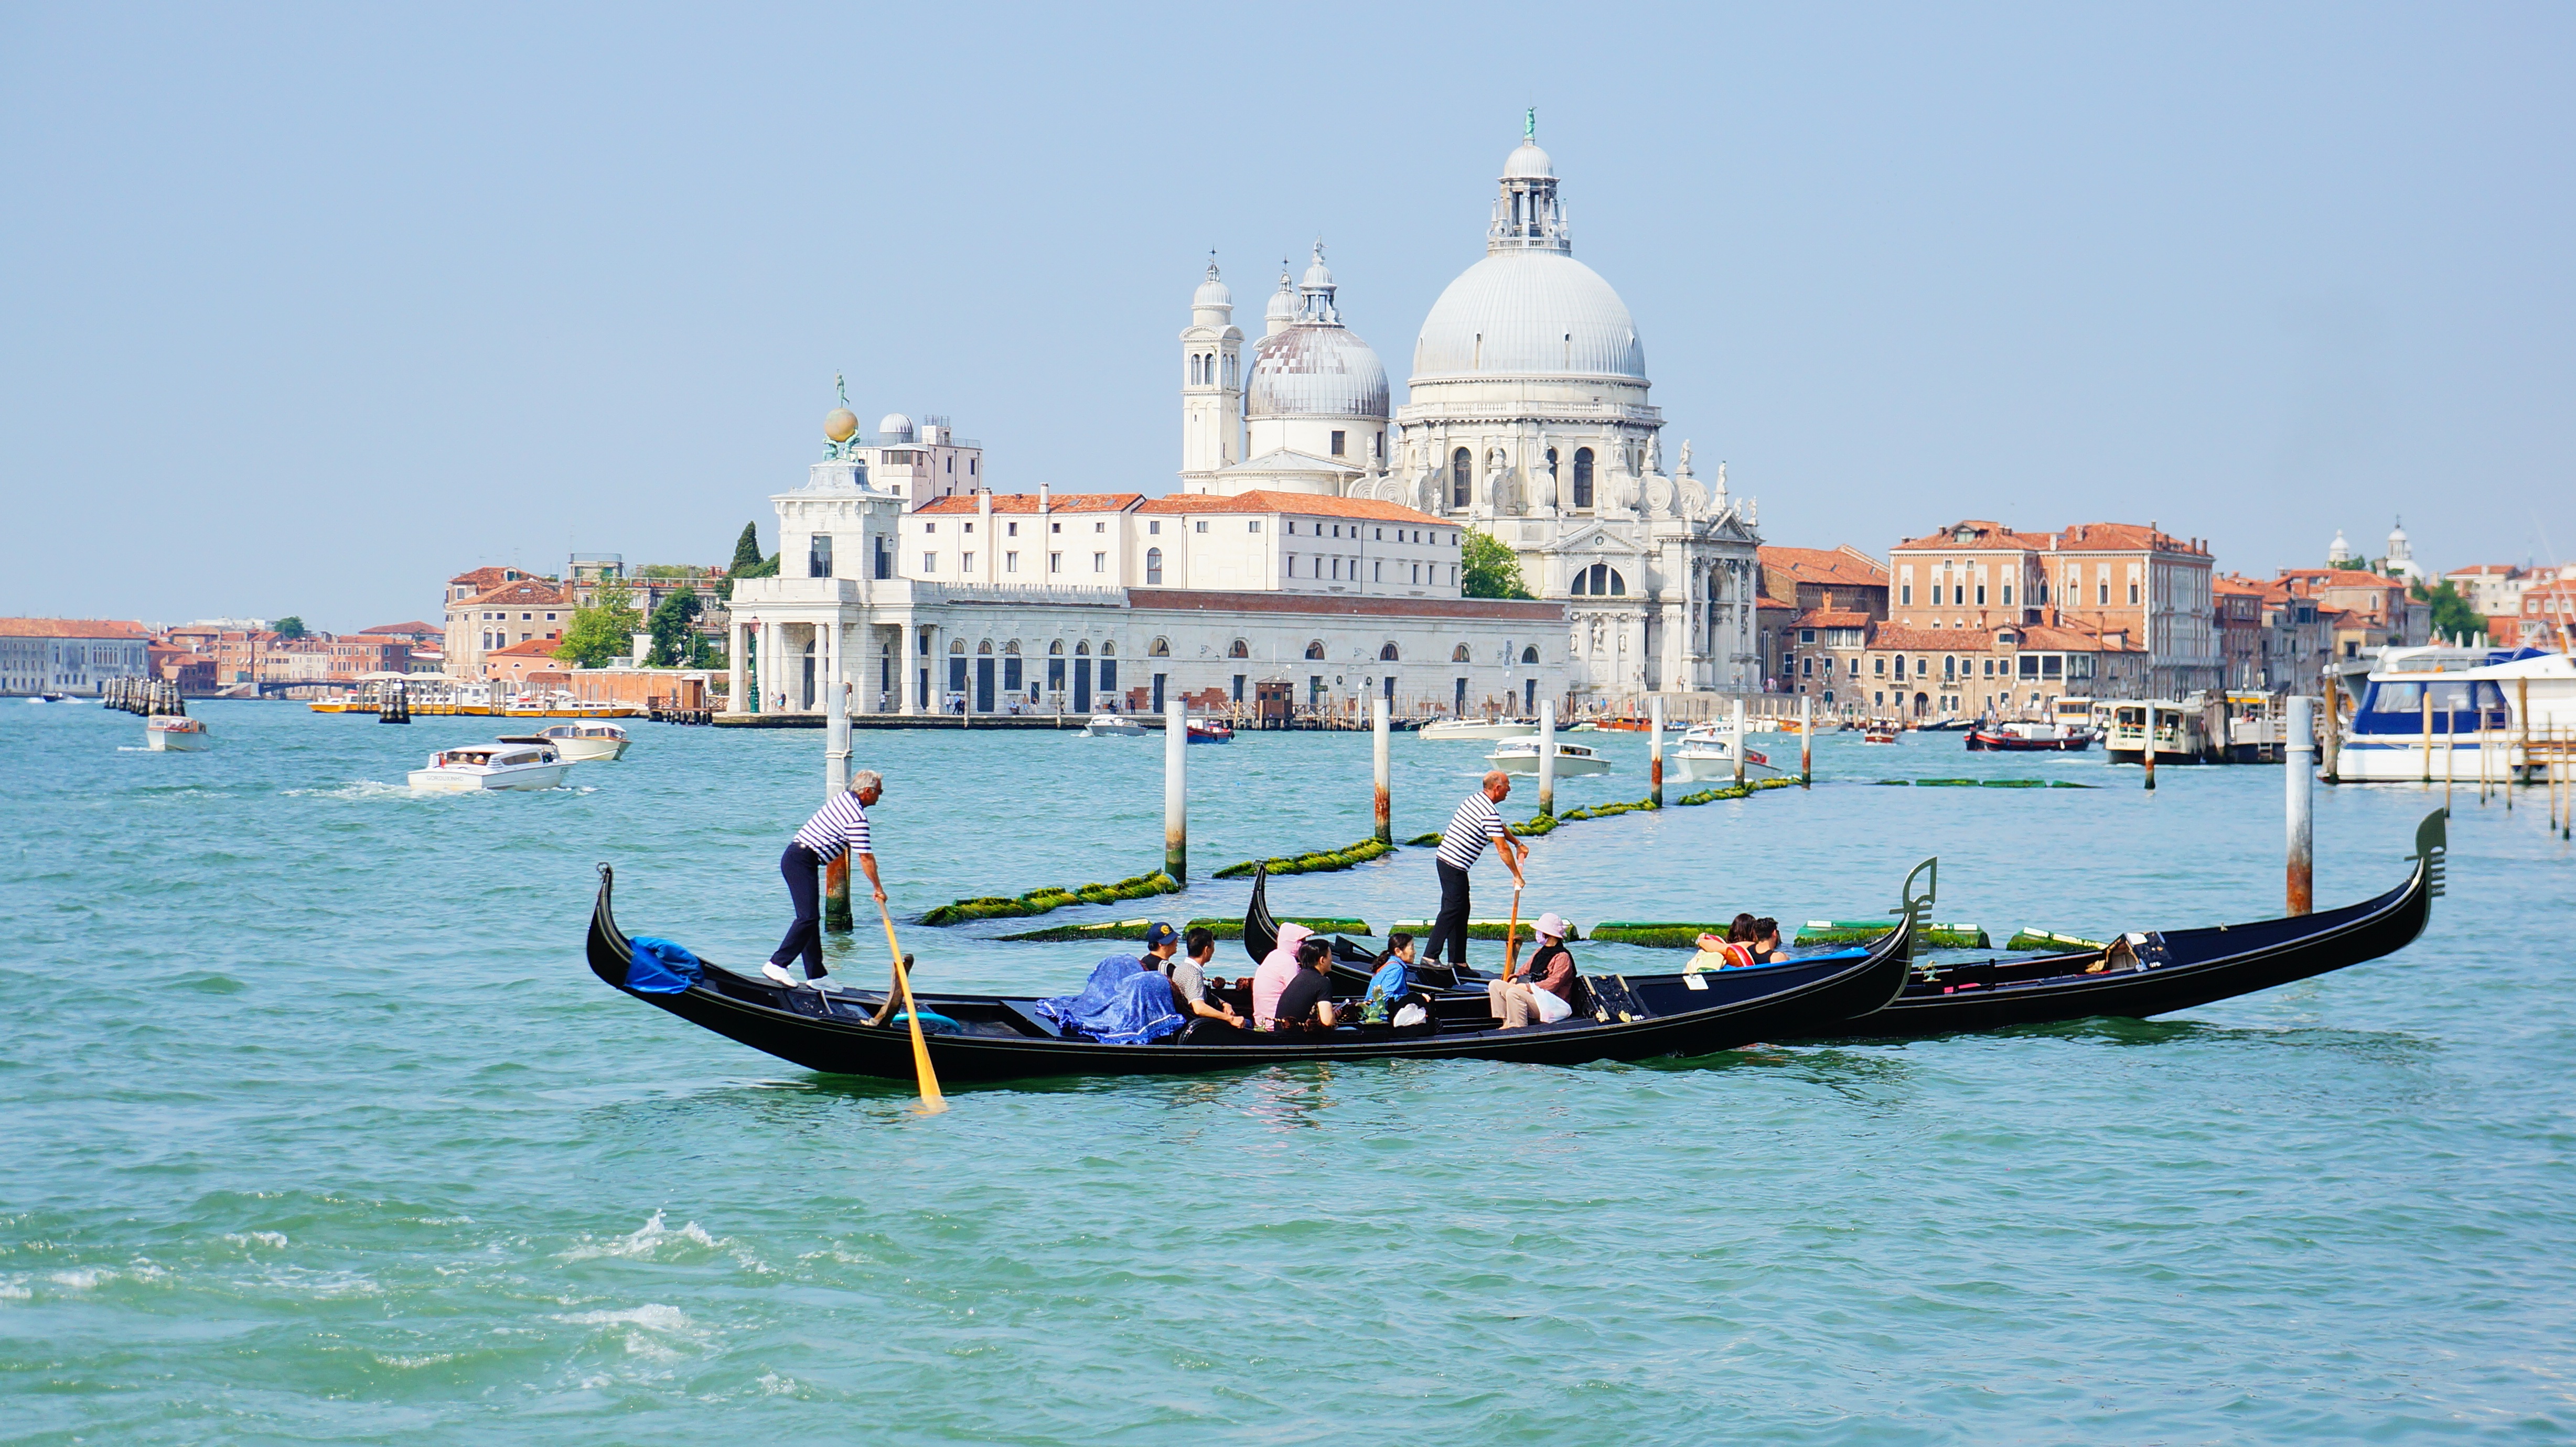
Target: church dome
x: 1315, y: 371
x: 1212, y: 293
x: 1529, y: 313
x: 1527, y: 163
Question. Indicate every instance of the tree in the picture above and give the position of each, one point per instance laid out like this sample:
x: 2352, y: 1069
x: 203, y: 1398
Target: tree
x: 746, y: 550
x: 1487, y: 569
x: 290, y: 626
x: 2453, y: 615
x: 605, y: 630
x: 671, y: 631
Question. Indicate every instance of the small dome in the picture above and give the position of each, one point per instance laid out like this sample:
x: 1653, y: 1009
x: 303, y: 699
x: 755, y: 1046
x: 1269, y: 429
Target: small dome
x: 1528, y: 163
x: 1317, y: 277
x: 1212, y: 292
x: 840, y: 424
x: 1283, y: 302
x: 895, y: 427
x: 1315, y: 371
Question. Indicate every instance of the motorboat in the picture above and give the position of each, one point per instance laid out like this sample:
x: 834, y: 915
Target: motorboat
x: 2027, y: 737
x: 1704, y: 760
x: 581, y: 743
x: 479, y: 768
x: 1112, y: 726
x: 1879, y: 734
x: 1520, y: 756
x: 2429, y: 714
x: 1477, y: 728
x: 1211, y: 731
x: 176, y: 733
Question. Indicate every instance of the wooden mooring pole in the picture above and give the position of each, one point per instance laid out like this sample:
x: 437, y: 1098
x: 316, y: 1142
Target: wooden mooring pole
x: 1383, y: 766
x: 1655, y: 751
x: 2331, y: 726
x: 2298, y: 779
x: 1547, y: 756
x: 836, y: 781
x: 1176, y: 788
x: 2147, y: 747
x: 1806, y: 741
x: 1739, y: 743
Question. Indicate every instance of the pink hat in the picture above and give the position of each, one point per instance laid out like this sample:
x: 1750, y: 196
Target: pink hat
x: 1552, y: 925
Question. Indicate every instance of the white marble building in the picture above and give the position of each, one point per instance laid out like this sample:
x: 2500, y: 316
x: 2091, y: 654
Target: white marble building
x: 1527, y: 417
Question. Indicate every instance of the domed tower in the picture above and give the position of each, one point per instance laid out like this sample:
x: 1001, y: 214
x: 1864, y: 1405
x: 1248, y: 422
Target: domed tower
x: 1315, y: 389
x: 1212, y: 382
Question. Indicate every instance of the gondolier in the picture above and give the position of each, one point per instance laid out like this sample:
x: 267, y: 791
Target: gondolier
x: 1476, y: 823
x: 840, y: 826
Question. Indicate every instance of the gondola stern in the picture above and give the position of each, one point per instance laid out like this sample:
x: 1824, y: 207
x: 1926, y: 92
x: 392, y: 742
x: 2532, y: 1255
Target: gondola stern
x: 1260, y: 928
x: 2433, y: 851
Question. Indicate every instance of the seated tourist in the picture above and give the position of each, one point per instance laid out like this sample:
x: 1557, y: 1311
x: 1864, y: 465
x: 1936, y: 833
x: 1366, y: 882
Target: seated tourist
x: 1734, y: 952
x: 1139, y: 1013
x: 1551, y: 974
x: 1306, y: 1003
x: 1277, y: 970
x: 1766, y: 941
x: 1096, y: 992
x: 1188, y: 974
x: 1389, y: 989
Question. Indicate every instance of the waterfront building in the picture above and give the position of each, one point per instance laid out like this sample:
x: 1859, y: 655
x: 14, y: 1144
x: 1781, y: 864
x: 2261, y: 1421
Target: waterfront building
x: 1527, y: 418
x: 1816, y: 608
x: 2013, y: 670
x: 511, y: 611
x: 2377, y: 611
x: 2115, y: 581
x: 2493, y: 589
x: 531, y: 664
x: 69, y: 655
x: 2547, y: 618
x: 2238, y: 613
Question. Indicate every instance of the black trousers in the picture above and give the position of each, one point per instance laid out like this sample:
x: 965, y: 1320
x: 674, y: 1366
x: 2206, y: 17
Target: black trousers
x: 1452, y: 922
x: 799, y: 866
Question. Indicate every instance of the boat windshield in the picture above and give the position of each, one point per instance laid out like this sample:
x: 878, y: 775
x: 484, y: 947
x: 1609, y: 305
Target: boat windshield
x: 2458, y: 705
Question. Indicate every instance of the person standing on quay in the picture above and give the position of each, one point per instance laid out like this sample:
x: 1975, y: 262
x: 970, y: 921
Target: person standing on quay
x: 1475, y: 823
x: 840, y: 825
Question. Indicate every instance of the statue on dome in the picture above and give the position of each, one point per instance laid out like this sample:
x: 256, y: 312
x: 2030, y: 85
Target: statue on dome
x: 1683, y: 470
x: 1654, y: 453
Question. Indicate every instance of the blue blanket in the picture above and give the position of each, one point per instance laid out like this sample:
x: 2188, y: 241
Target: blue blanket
x: 662, y: 967
x: 1097, y: 991
x: 1142, y: 1011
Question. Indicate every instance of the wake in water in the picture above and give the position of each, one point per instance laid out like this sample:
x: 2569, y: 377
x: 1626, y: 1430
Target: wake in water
x: 367, y: 789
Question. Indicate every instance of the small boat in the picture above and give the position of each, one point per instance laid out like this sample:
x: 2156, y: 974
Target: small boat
x: 1477, y: 728
x: 581, y: 743
x: 46, y: 698
x: 1625, y: 725
x: 484, y: 767
x: 1210, y: 731
x: 2160, y: 971
x: 1947, y: 724
x: 1700, y: 761
x: 176, y: 733
x: 1878, y: 734
x: 2020, y: 738
x: 1112, y: 726
x: 994, y: 1037
x: 1520, y: 756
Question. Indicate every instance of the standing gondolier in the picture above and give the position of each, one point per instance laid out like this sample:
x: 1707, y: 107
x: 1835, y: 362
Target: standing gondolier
x: 1475, y: 824
x: 840, y: 825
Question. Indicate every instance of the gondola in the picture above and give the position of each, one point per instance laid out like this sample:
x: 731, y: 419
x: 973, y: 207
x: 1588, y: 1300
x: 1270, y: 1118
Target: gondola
x: 1003, y: 1038
x: 2161, y: 971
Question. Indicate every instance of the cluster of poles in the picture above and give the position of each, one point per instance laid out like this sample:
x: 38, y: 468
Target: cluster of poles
x: 146, y: 697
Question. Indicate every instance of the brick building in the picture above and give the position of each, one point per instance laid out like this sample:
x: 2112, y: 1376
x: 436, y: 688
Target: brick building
x: 1814, y: 599
x: 2140, y: 585
x: 2010, y: 671
x: 521, y: 610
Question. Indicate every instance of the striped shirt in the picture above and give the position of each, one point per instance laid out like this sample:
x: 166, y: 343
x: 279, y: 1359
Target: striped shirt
x: 1475, y: 822
x: 838, y: 825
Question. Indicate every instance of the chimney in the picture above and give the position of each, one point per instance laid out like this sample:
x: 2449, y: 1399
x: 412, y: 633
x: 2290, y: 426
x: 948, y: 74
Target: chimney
x: 1045, y: 503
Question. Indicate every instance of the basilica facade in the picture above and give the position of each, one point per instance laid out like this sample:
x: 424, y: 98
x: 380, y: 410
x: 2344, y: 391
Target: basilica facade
x: 1527, y: 418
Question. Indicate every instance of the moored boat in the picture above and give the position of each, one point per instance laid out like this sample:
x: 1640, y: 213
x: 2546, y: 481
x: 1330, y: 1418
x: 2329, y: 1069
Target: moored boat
x: 2429, y: 714
x: 1520, y: 756
x: 1210, y: 731
x: 487, y: 767
x: 2020, y: 738
x: 176, y: 733
x: 1477, y: 728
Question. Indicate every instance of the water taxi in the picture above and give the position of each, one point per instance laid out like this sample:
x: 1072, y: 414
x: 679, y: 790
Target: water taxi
x: 485, y: 767
x: 1705, y: 760
x: 1520, y: 756
x: 176, y: 733
x: 1477, y: 728
x: 1112, y: 726
x: 580, y: 743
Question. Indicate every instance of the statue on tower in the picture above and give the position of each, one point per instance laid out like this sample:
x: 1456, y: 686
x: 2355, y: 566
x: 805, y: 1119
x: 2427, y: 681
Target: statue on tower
x: 840, y: 426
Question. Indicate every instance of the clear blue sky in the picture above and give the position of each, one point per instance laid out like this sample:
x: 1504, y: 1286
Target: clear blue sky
x: 308, y: 309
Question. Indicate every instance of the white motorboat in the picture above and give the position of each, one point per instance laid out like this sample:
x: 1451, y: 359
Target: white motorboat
x: 581, y: 743
x: 1112, y: 726
x: 1477, y: 728
x: 176, y: 733
x: 1702, y: 761
x: 1520, y: 756
x: 2481, y: 706
x: 482, y: 767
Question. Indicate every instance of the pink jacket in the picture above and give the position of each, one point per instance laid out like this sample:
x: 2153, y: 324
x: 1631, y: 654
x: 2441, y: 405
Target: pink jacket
x: 1277, y: 969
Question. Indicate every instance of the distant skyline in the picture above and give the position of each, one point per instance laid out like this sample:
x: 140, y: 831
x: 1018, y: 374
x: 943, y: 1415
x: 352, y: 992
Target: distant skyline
x: 310, y: 309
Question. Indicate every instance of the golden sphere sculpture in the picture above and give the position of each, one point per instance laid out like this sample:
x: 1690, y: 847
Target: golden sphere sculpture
x: 840, y: 424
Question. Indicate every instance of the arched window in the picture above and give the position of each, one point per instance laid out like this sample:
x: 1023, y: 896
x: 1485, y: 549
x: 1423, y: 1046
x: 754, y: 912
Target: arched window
x: 1458, y: 654
x: 1583, y: 477
x: 1461, y: 478
x: 1529, y: 654
x: 1080, y: 650
x: 1239, y: 649
x: 984, y: 647
x: 1056, y: 649
x: 1618, y: 585
x: 1108, y: 650
x: 1162, y: 648
x: 1011, y: 647
x: 1386, y: 654
x: 1600, y: 581
x: 1153, y: 565
x: 1315, y: 649
x: 956, y: 645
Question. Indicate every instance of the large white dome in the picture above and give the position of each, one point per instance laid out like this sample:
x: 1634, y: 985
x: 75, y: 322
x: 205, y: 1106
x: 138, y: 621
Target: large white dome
x: 1530, y: 313
x: 1315, y: 371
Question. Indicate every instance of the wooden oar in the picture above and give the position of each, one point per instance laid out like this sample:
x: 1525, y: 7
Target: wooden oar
x: 1511, y: 937
x: 932, y: 1102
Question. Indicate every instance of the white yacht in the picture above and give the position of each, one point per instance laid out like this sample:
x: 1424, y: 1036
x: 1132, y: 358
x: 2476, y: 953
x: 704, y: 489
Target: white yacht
x: 2429, y: 714
x: 1477, y: 728
x: 581, y: 743
x: 1112, y: 726
x: 1707, y: 760
x: 481, y: 767
x: 1520, y: 756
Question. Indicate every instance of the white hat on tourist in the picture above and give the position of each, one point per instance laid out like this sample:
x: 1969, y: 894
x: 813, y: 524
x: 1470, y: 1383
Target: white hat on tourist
x: 1552, y: 925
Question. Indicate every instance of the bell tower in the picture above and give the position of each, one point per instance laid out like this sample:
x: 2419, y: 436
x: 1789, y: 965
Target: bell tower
x: 1211, y: 384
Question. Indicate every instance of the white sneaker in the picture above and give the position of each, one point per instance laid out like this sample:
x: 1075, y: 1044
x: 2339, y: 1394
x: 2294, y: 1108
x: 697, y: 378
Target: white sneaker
x: 781, y: 976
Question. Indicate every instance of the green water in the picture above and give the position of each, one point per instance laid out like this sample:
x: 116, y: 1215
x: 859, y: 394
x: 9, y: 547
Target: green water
x: 318, y: 1130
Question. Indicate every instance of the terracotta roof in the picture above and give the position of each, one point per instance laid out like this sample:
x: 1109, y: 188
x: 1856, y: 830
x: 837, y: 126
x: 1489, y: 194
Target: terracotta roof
x: 1301, y: 503
x: 70, y: 628
x: 520, y: 594
x: 2122, y: 538
x: 1024, y: 503
x: 2339, y: 578
x: 2072, y: 640
x: 2485, y: 570
x: 1842, y: 567
x: 1766, y: 601
x: 1832, y: 618
x: 486, y: 579
x: 1932, y: 640
x: 533, y: 648
x: 2240, y: 586
x: 1989, y: 535
x: 414, y: 627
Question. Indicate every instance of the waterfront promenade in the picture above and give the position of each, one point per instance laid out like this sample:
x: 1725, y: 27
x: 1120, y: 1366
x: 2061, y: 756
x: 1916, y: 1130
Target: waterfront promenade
x: 324, y: 1132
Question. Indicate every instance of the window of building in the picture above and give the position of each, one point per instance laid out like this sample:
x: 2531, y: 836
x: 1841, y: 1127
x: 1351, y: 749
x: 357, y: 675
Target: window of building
x: 1459, y: 654
x: 1809, y: 667
x: 1900, y: 668
x: 1461, y: 477
x: 1583, y: 477
x: 1010, y: 529
x: 1315, y: 649
x: 930, y: 527
x: 968, y: 527
x: 1055, y: 527
x: 1100, y: 562
x: 2007, y: 595
x: 1905, y: 595
x: 1238, y: 649
x: 930, y: 562
x: 1377, y: 535
x: 1010, y: 562
x: 1377, y: 572
x: 2106, y: 595
x: 1155, y: 527
x: 1160, y: 648
x: 2133, y: 595
x: 1981, y: 595
x: 1337, y: 444
x: 965, y: 562
x: 1154, y: 574
x: 1254, y: 525
x: 1055, y: 562
x: 1386, y: 654
x: 1806, y: 635
x: 1529, y: 655
x: 1101, y: 527
x: 1200, y: 526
